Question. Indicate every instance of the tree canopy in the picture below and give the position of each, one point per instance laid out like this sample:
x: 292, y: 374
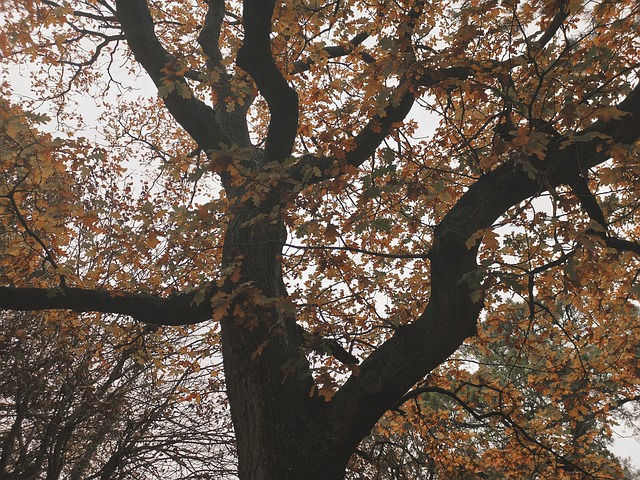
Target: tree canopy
x: 338, y: 194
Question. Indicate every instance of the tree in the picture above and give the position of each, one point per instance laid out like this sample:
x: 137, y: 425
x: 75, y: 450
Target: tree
x: 80, y: 401
x: 304, y: 211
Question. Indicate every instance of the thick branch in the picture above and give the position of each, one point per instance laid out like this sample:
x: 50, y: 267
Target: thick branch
x: 181, y: 309
x: 626, y: 129
x: 232, y: 121
x: 451, y: 313
x: 256, y: 58
x: 590, y: 205
x: 319, y: 344
x: 553, y: 27
x: 209, y: 36
x: 196, y: 117
x: 589, y: 202
x: 367, y: 141
x: 617, y: 243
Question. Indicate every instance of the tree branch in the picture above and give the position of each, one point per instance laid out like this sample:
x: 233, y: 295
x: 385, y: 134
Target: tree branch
x: 80, y: 13
x: 336, y: 51
x: 554, y: 26
x: 232, y: 121
x: 548, y: 266
x: 209, y: 36
x: 320, y: 344
x: 256, y: 58
x: 48, y: 255
x: 367, y: 141
x: 452, y: 312
x: 590, y: 205
x: 617, y: 243
x: 181, y: 309
x: 588, y: 201
x: 195, y: 116
x: 376, y: 130
x: 360, y: 250
x: 505, y: 419
x: 371, y: 136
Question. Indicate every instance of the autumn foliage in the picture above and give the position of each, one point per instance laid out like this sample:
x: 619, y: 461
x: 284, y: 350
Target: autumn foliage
x: 410, y: 229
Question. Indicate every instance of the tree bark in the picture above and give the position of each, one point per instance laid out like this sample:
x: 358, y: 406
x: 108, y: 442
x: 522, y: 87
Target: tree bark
x: 268, y: 378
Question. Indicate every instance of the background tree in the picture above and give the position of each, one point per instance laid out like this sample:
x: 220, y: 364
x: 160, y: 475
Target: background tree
x: 306, y: 213
x: 81, y: 401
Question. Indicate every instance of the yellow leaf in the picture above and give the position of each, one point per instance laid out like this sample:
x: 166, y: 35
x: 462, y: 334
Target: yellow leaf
x: 220, y: 304
x: 608, y: 113
x: 618, y: 153
x: 326, y: 392
x: 220, y: 312
x: 473, y: 239
x: 331, y: 233
x: 490, y: 239
x: 236, y: 274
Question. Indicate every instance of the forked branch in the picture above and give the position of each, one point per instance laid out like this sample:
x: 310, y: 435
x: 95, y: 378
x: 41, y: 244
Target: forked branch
x: 256, y: 58
x: 452, y: 311
x: 197, y: 118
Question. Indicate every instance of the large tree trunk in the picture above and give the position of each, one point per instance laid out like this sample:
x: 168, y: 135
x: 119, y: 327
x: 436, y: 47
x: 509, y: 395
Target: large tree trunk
x: 279, y: 425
